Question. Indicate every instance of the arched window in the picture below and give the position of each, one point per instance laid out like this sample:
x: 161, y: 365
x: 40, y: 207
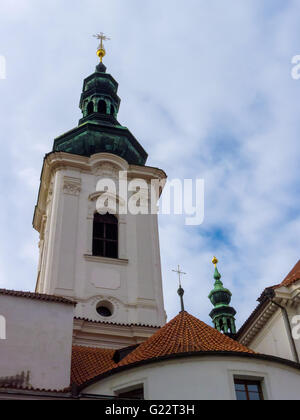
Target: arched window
x: 102, y: 107
x: 105, y: 236
x: 221, y: 325
x: 90, y: 108
x: 112, y: 110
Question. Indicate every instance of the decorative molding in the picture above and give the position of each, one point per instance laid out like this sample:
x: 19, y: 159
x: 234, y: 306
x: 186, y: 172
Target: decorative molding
x: 107, y: 170
x: 105, y: 260
x: 90, y: 306
x: 72, y: 186
x: 112, y: 335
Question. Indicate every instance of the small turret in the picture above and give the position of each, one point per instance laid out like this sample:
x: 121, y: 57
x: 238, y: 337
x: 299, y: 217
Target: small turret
x: 223, y: 315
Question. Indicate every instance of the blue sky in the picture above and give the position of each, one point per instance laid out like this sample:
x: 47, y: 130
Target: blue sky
x: 206, y: 88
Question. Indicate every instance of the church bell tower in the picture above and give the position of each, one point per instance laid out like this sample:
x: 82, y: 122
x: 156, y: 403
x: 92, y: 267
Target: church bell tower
x: 107, y: 261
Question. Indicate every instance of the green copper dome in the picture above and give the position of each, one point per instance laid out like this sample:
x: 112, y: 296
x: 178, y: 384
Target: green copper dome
x: 98, y: 129
x: 219, y: 296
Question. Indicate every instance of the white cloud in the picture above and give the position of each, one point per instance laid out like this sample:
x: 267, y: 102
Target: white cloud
x: 206, y: 89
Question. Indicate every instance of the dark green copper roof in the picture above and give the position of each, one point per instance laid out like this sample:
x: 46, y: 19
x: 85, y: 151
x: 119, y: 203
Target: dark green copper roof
x: 98, y: 130
x: 219, y: 296
x: 222, y: 314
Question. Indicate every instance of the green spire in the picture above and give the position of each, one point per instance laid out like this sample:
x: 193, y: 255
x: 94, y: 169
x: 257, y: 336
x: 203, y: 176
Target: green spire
x: 217, y: 275
x: 222, y: 314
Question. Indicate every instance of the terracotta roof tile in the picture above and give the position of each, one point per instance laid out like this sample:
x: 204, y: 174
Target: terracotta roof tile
x: 183, y: 334
x: 37, y: 296
x: 88, y: 362
x: 291, y: 278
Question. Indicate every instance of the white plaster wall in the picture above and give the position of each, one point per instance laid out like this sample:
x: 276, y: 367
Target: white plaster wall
x: 203, y: 378
x: 38, y: 340
x: 134, y: 287
x: 273, y: 338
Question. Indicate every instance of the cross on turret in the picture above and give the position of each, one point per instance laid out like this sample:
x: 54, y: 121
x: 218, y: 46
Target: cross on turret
x: 101, y: 50
x: 180, y: 290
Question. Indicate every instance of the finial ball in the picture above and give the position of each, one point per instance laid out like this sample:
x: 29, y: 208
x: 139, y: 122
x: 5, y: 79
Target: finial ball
x: 101, y: 53
x: 215, y: 261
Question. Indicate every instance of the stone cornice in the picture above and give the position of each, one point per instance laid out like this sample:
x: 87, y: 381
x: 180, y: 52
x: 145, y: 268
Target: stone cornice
x: 261, y: 316
x: 61, y: 160
x: 110, y: 334
x: 284, y: 296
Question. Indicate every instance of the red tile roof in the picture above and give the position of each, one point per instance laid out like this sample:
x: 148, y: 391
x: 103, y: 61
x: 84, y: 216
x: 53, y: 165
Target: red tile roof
x: 291, y: 278
x: 184, y: 334
x: 88, y: 362
x: 37, y: 296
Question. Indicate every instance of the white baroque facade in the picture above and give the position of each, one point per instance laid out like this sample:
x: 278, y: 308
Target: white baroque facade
x: 131, y: 285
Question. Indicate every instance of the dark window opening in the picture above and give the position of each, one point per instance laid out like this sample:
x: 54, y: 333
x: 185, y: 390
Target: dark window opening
x: 102, y: 107
x: 248, y: 390
x: 90, y: 108
x: 112, y: 110
x: 122, y: 353
x: 104, y: 311
x: 134, y: 394
x: 221, y: 325
x: 105, y: 236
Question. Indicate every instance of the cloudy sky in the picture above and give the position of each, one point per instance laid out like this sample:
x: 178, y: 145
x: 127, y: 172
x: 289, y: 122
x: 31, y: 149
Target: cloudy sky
x: 206, y: 88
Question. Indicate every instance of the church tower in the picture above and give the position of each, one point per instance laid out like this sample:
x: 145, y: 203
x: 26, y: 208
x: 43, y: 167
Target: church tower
x: 106, y: 260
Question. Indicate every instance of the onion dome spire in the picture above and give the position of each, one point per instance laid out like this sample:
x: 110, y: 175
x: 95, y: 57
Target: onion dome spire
x: 98, y: 130
x: 223, y: 315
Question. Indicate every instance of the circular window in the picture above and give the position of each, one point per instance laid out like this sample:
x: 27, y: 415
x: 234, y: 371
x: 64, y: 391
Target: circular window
x: 105, y: 309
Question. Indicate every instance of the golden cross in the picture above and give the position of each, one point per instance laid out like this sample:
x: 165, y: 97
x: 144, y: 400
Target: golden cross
x: 180, y: 273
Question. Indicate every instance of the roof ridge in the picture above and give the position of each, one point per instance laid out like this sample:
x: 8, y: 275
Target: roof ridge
x: 37, y: 296
x: 183, y: 334
x: 117, y: 323
x: 291, y: 278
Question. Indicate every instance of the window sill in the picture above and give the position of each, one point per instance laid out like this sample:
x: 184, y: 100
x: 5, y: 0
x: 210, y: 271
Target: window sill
x: 105, y: 260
